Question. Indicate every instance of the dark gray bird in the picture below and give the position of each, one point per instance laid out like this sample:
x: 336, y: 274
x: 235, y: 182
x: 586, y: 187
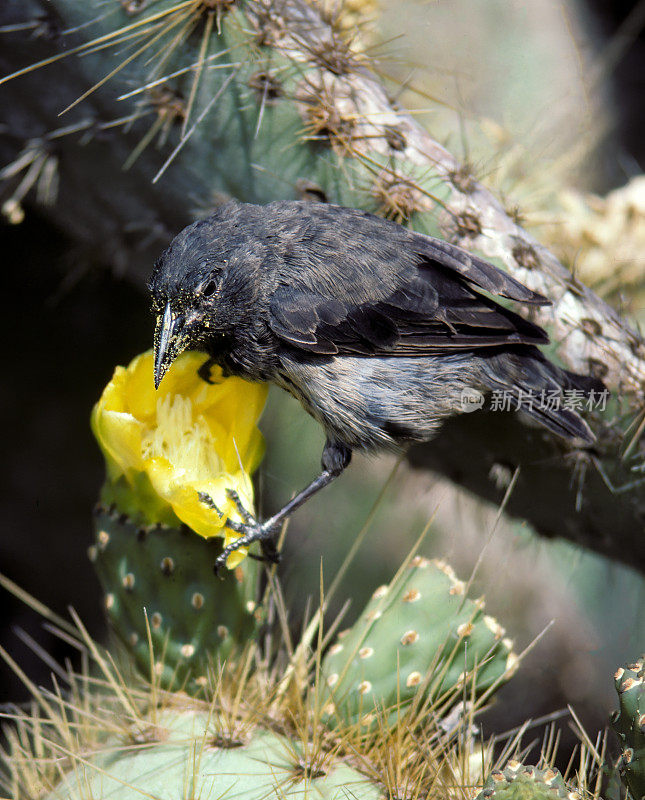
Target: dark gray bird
x: 380, y: 332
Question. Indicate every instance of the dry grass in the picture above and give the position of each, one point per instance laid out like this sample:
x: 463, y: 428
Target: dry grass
x: 105, y: 708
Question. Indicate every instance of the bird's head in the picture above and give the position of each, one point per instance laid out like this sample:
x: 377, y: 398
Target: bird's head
x: 185, y: 286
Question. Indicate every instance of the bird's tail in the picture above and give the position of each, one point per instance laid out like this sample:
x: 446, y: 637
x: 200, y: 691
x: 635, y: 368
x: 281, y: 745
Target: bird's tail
x: 550, y: 395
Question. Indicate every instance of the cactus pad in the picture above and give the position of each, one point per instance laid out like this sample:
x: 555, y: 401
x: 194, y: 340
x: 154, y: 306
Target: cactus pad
x: 519, y: 782
x: 629, y: 724
x: 184, y: 756
x: 420, y: 633
x: 161, y: 578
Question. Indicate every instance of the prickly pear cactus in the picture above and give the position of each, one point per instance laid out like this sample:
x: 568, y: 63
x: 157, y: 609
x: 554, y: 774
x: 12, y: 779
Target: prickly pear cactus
x: 629, y: 724
x: 520, y: 782
x: 419, y: 634
x: 163, y: 599
x: 269, y: 99
x: 184, y: 754
x: 156, y: 541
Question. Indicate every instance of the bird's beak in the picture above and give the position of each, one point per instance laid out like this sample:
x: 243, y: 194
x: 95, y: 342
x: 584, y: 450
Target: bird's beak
x: 170, y: 341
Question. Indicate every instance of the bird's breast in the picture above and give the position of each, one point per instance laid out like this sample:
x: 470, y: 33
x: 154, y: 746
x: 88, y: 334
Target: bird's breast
x: 245, y: 351
x: 378, y: 403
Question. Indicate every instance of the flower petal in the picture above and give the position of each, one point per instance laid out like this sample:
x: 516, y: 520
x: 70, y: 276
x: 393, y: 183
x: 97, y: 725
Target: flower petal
x: 119, y: 435
x: 188, y: 437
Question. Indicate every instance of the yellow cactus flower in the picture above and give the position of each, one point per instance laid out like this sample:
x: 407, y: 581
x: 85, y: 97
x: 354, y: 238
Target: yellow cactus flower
x: 164, y: 447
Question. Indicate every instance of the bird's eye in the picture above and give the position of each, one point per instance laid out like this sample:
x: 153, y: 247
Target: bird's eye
x: 209, y: 288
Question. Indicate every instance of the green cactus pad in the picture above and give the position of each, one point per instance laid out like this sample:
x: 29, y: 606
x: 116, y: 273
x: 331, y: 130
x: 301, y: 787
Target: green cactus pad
x: 161, y: 579
x: 419, y: 633
x: 629, y: 724
x: 520, y: 782
x: 184, y: 756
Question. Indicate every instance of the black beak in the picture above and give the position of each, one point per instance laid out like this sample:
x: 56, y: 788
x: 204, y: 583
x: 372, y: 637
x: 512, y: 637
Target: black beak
x: 169, y: 342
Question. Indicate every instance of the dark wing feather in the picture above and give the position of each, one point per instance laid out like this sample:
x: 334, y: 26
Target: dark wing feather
x: 431, y: 308
x: 398, y: 325
x: 475, y: 270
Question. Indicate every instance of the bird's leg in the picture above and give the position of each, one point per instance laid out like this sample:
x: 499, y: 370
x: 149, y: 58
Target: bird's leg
x: 335, y: 458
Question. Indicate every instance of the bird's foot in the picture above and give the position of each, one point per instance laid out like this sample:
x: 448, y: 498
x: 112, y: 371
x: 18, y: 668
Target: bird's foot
x: 249, y: 529
x: 204, y: 371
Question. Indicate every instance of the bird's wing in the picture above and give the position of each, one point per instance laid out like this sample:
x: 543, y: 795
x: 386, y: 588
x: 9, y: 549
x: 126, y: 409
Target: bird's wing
x: 430, y: 308
x: 474, y: 270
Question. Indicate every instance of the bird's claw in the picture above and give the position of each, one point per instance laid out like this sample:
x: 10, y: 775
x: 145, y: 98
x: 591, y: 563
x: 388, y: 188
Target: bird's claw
x: 250, y: 530
x: 204, y: 371
x: 248, y: 518
x: 270, y: 553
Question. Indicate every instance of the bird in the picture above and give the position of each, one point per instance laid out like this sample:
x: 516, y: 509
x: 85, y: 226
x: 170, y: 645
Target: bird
x: 380, y: 332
